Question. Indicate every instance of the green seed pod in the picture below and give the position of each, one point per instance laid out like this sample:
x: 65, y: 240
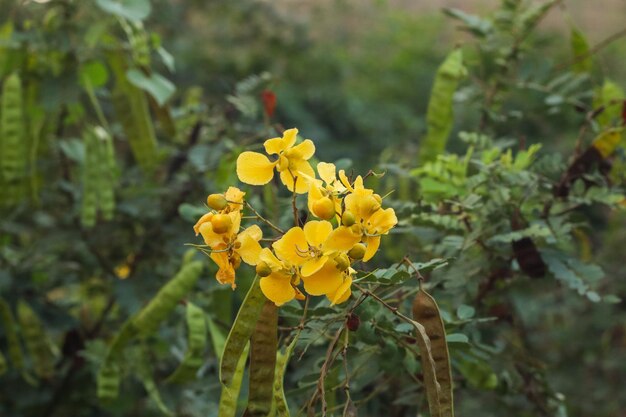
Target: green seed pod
x: 102, y: 145
x: 13, y: 152
x: 230, y: 393
x: 10, y: 331
x: 240, y: 332
x: 263, y: 269
x: 343, y: 262
x: 196, y: 345
x: 36, y: 340
x: 348, y: 219
x: 263, y: 347
x: 216, y: 201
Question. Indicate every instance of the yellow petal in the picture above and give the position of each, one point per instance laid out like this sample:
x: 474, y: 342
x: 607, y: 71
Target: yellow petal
x: 317, y: 231
x: 327, y: 172
x: 269, y: 258
x: 226, y: 272
x: 373, y: 242
x: 254, y: 232
x: 304, y: 150
x: 204, y: 219
x: 292, y: 247
x: 235, y: 197
x: 297, y: 167
x: 344, y: 180
x: 315, y: 193
x: 250, y: 250
x: 381, y: 221
x: 211, y: 238
x: 235, y: 218
x: 254, y: 168
x: 289, y: 136
x: 324, y: 281
x: 342, y: 239
x: 342, y: 293
x: 277, y: 288
x: 274, y: 146
x: 313, y: 265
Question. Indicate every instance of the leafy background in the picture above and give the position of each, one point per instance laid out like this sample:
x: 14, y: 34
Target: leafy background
x: 357, y: 78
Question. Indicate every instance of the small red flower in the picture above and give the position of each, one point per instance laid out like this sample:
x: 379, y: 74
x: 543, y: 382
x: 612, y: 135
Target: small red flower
x: 269, y: 102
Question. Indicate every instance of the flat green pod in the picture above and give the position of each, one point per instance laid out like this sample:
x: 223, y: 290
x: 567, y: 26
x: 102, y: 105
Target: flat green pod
x: 439, y: 116
x: 144, y: 374
x: 36, y: 340
x: 241, y: 331
x: 10, y: 330
x: 230, y: 393
x: 426, y: 313
x: 281, y: 408
x: 263, y: 347
x: 104, y: 169
x: 131, y: 107
x: 109, y: 375
x: 91, y: 179
x: 164, y: 302
x: 13, y: 144
x: 218, y: 338
x: 196, y: 345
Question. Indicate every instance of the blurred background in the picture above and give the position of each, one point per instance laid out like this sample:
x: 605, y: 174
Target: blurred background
x: 354, y: 76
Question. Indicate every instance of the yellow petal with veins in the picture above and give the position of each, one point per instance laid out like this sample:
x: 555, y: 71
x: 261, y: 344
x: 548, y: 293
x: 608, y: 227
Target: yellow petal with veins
x: 289, y: 136
x: 277, y: 288
x: 250, y: 248
x: 304, y: 150
x: 211, y: 238
x: 382, y: 221
x: 342, y: 239
x: 274, y: 146
x: 342, y: 293
x: 373, y: 242
x: 204, y: 219
x: 327, y: 172
x: 270, y: 259
x: 313, y: 265
x: 254, y: 168
x: 297, y: 166
x: 234, y: 196
x: 324, y: 281
x: 316, y: 232
x: 292, y: 247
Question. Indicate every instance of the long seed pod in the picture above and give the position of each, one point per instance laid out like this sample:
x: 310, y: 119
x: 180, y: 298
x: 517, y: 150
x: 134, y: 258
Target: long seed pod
x: 13, y: 342
x: 439, y: 117
x: 282, y: 360
x: 230, y: 393
x: 426, y: 313
x: 109, y: 374
x: 263, y: 347
x: 433, y: 389
x: 105, y: 168
x: 241, y: 331
x: 165, y: 301
x: 218, y: 338
x: 145, y: 375
x: 13, y: 155
x: 91, y: 180
x: 196, y: 345
x: 36, y: 340
x: 131, y: 106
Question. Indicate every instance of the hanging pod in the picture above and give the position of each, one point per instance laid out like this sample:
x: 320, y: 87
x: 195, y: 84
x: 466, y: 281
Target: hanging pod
x: 36, y: 340
x: 230, y: 393
x: 426, y: 313
x: 10, y: 330
x: 263, y: 347
x: 196, y: 345
x: 13, y: 150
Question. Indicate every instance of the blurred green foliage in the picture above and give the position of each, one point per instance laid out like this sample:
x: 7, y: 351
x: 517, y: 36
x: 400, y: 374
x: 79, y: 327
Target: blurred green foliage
x: 119, y: 117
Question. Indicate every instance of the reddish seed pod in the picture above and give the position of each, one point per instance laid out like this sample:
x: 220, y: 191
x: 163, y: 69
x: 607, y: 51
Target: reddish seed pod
x: 353, y: 322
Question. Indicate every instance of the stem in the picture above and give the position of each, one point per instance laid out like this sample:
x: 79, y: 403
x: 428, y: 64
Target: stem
x: 264, y: 220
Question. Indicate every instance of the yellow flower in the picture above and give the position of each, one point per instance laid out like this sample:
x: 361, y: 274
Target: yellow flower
x: 292, y: 163
x: 279, y: 285
x: 342, y: 293
x: 328, y: 187
x: 234, y: 196
x: 244, y: 247
x: 310, y: 248
x: 371, y: 220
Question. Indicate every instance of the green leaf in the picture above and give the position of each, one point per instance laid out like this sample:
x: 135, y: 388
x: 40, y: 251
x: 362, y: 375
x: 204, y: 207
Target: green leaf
x: 439, y: 117
x: 159, y: 87
x: 94, y: 73
x: 580, y: 49
x: 36, y: 340
x: 610, y: 98
x: 465, y: 312
x: 10, y: 332
x: 240, y: 332
x: 457, y: 338
x: 135, y: 10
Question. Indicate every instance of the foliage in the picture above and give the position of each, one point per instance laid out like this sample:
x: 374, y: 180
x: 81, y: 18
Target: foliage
x: 109, y: 146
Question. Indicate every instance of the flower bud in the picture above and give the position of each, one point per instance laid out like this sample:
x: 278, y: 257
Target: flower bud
x: 357, y: 251
x: 353, y: 322
x: 324, y: 208
x: 348, y: 219
x: 263, y: 269
x: 221, y: 223
x: 216, y: 202
x: 343, y: 262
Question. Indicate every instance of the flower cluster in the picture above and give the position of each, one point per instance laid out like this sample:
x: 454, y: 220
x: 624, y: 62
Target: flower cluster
x: 320, y: 254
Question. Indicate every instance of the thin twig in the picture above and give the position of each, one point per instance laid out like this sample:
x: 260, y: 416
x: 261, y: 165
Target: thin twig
x: 264, y: 220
